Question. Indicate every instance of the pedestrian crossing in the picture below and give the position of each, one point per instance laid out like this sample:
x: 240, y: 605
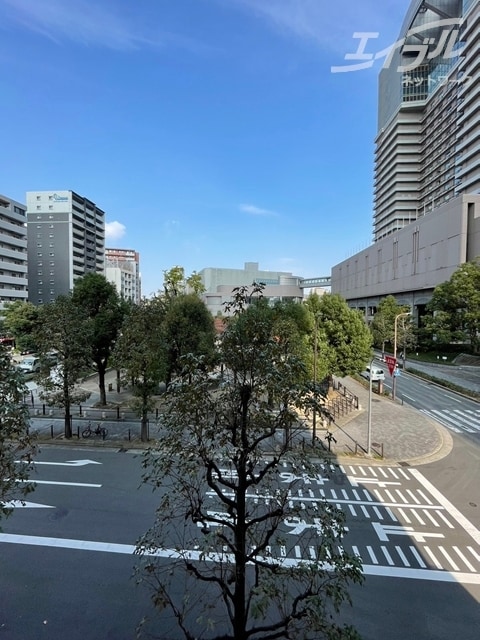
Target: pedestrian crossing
x: 395, y: 520
x: 457, y: 420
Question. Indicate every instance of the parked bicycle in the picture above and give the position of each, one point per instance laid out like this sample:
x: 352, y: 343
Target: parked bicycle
x: 98, y: 431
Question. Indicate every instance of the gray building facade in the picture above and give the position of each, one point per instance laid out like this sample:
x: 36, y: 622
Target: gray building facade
x: 427, y: 160
x: 219, y: 283
x: 13, y: 251
x: 66, y: 240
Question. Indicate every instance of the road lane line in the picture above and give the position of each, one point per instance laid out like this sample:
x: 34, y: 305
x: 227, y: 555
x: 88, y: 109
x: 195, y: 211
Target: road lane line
x: 448, y: 506
x: 66, y: 484
x: 173, y: 554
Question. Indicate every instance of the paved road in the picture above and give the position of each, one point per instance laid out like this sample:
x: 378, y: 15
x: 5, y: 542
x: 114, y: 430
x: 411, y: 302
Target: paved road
x: 67, y: 561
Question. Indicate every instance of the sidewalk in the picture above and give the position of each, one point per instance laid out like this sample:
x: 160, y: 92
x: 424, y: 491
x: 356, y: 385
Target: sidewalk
x: 399, y: 433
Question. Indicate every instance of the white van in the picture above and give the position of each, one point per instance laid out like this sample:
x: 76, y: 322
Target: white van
x: 30, y: 364
x: 376, y: 374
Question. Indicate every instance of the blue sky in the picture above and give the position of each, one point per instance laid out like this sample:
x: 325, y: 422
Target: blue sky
x: 212, y: 132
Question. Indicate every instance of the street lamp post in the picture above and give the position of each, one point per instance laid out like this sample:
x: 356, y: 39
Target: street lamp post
x: 314, y: 426
x: 400, y: 315
x: 369, y: 426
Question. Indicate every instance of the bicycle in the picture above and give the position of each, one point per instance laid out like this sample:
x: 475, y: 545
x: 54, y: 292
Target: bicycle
x: 98, y: 431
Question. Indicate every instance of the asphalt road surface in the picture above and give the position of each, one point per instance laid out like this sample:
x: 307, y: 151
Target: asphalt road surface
x: 67, y: 556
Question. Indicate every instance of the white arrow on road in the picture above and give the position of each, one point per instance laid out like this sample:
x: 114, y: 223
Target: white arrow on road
x: 383, y: 531
x: 15, y: 504
x: 69, y: 463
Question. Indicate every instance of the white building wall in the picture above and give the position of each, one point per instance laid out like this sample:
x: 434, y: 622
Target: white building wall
x: 13, y: 251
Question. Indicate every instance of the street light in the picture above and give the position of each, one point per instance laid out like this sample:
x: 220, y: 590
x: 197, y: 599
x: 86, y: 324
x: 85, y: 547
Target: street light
x: 369, y: 426
x: 314, y: 426
x: 400, y: 315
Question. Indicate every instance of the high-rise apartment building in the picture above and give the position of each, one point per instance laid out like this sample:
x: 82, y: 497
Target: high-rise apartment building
x: 426, y: 218
x: 66, y: 240
x: 427, y: 147
x: 13, y: 251
x: 122, y: 268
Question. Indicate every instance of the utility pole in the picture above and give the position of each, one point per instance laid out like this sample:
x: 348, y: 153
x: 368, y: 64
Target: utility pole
x: 400, y: 315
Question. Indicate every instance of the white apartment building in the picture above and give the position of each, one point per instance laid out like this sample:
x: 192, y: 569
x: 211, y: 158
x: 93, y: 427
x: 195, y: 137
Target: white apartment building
x: 66, y: 240
x: 13, y: 251
x: 122, y: 268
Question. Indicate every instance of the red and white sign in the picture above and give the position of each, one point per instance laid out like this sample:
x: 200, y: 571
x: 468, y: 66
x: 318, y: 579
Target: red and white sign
x: 391, y: 363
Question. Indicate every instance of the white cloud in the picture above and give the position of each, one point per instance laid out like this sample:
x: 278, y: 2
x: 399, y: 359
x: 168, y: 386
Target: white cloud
x: 88, y: 22
x: 327, y: 25
x: 114, y: 230
x: 256, y: 211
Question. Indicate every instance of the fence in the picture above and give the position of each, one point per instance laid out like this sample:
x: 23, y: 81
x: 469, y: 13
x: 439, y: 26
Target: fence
x: 342, y: 404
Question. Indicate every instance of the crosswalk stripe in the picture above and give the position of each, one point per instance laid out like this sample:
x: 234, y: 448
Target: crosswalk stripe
x: 450, y: 560
x: 418, y: 558
x: 432, y: 558
x: 462, y: 557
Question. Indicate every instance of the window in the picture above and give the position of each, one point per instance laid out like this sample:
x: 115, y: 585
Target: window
x: 39, y: 206
x: 52, y: 255
x: 38, y: 198
x: 39, y: 254
x: 50, y: 217
x: 50, y: 206
x: 40, y: 272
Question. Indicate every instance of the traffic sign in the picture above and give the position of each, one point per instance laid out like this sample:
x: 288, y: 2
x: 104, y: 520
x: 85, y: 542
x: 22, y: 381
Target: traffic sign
x: 391, y: 363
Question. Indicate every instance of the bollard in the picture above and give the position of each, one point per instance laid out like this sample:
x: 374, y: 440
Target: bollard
x: 85, y: 414
x: 80, y: 409
x: 123, y: 415
x: 104, y: 415
x: 51, y: 431
x: 43, y: 408
x: 129, y: 435
x: 50, y: 412
x: 156, y: 413
x: 37, y: 412
x: 118, y: 413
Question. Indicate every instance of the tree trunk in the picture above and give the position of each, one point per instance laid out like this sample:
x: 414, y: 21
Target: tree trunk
x: 144, y: 427
x: 101, y: 367
x: 68, y: 421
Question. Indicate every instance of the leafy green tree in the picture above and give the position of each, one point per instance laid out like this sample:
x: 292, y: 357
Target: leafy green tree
x: 224, y: 503
x: 101, y: 303
x: 15, y: 442
x: 189, y: 328
x: 141, y: 353
x: 20, y: 319
x: 65, y: 329
x: 345, y: 342
x: 174, y: 282
x: 383, y: 323
x: 195, y: 284
x: 455, y: 305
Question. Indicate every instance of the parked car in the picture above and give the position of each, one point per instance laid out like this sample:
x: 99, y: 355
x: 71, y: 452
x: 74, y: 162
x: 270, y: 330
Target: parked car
x: 375, y: 373
x: 30, y: 364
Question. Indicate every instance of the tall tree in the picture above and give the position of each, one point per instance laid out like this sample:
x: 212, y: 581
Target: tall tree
x: 101, y: 303
x: 195, y: 284
x: 189, y: 328
x: 383, y: 323
x: 15, y: 442
x: 20, y: 319
x: 141, y: 353
x: 174, y: 282
x: 345, y: 340
x: 66, y: 329
x: 455, y: 305
x: 224, y: 502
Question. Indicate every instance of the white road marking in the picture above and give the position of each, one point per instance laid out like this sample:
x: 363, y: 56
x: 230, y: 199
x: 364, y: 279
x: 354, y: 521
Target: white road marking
x: 450, y: 560
x: 66, y: 484
x: 384, y: 531
x: 17, y: 504
x: 429, y: 553
x: 372, y: 555
x: 462, y: 557
x: 69, y: 463
x: 418, y: 557
x: 195, y: 555
x: 388, y: 557
x: 402, y: 556
x: 448, y: 506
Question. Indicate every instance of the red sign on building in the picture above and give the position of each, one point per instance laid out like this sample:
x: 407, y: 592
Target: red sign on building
x: 391, y: 363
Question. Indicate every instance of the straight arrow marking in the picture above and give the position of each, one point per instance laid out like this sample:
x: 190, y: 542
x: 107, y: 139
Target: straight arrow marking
x: 69, y: 463
x: 15, y: 504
